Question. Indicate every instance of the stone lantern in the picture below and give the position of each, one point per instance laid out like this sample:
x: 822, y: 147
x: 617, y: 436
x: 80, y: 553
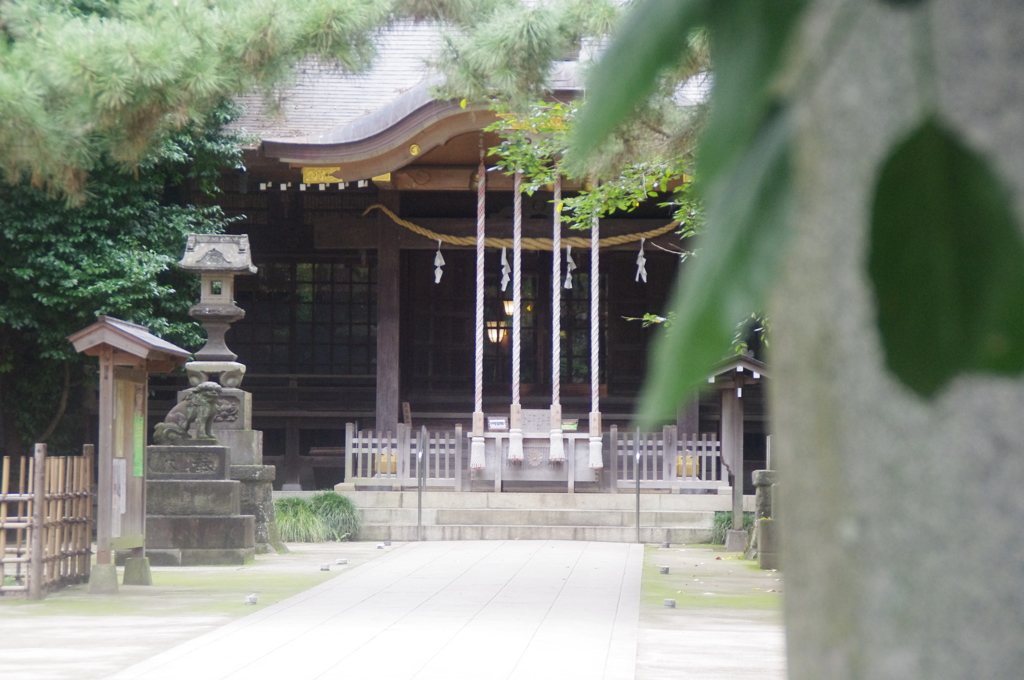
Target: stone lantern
x: 218, y: 258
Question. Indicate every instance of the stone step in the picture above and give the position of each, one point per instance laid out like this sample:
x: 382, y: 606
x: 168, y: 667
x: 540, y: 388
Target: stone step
x: 538, y: 501
x: 462, y: 532
x: 529, y: 517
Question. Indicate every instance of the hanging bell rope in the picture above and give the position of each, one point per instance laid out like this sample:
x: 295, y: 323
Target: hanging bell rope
x: 527, y: 243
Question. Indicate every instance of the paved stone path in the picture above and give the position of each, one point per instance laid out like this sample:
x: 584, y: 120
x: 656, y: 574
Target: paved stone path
x: 521, y: 610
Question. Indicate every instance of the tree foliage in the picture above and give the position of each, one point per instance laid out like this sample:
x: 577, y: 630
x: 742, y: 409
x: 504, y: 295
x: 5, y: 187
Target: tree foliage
x: 62, y: 265
x: 922, y: 277
x: 85, y: 83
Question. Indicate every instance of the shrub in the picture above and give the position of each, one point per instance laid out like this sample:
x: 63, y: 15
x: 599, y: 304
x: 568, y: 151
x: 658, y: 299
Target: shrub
x: 328, y: 516
x: 723, y: 522
x: 297, y: 522
x: 338, y: 513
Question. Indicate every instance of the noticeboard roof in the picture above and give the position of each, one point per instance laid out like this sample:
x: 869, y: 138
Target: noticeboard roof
x: 127, y: 337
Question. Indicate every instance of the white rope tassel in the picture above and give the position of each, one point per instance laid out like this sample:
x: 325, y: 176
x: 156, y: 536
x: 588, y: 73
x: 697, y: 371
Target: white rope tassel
x: 505, y: 270
x: 641, y: 263
x: 438, y: 263
x: 570, y: 266
x: 596, y: 459
x: 515, y: 445
x: 557, y: 451
x: 477, y: 456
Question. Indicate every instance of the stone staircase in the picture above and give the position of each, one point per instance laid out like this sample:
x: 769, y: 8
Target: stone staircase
x: 449, y: 516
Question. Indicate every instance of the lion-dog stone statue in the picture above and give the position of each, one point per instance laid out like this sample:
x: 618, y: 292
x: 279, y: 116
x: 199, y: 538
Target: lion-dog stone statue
x: 199, y: 408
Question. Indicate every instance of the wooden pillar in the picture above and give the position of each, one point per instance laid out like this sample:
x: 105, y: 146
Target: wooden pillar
x: 291, y: 479
x: 388, y: 272
x: 732, y: 448
x: 688, y: 417
x: 105, y: 485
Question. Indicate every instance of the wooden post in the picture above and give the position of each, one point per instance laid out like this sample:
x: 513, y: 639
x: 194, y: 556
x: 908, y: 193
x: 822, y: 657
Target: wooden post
x: 105, y: 490
x: 732, y: 449
x: 35, y: 576
x: 388, y: 272
x: 458, y: 457
x: 403, y: 440
x: 671, y: 452
x: 499, y: 463
x: 350, y: 450
x: 613, y: 443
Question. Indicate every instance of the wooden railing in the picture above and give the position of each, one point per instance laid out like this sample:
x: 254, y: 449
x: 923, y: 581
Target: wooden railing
x: 667, y: 460
x: 46, y: 523
x: 376, y: 458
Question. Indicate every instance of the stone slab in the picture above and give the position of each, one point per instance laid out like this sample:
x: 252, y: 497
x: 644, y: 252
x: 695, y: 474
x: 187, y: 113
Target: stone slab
x: 246, y: 445
x: 253, y: 473
x: 193, y: 497
x: 526, y: 610
x: 186, y: 462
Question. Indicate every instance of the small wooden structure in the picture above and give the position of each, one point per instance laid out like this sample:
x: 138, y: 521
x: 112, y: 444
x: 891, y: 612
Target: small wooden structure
x: 128, y: 353
x: 729, y: 378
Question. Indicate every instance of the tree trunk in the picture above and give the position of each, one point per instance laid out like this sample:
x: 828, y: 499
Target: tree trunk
x: 901, y: 516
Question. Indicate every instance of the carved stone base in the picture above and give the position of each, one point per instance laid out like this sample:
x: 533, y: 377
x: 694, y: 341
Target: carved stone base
x: 187, y: 462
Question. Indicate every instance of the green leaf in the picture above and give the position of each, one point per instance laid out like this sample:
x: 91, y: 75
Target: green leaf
x: 747, y: 213
x: 947, y: 263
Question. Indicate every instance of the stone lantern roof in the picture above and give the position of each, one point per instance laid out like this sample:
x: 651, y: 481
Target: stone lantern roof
x: 218, y: 253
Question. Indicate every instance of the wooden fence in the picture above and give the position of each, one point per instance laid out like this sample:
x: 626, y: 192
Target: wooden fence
x: 375, y: 458
x: 46, y: 523
x: 667, y: 460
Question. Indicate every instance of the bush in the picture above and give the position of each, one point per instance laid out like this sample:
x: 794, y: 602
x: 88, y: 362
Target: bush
x: 297, y: 522
x: 338, y: 513
x: 327, y: 517
x: 723, y: 522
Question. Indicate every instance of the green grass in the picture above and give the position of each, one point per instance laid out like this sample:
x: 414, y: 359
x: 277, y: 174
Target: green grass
x: 297, y: 522
x: 327, y: 517
x: 729, y: 591
x: 338, y: 513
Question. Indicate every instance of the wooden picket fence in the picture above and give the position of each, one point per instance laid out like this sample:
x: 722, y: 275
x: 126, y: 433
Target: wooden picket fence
x: 377, y: 458
x: 45, y: 523
x: 666, y: 460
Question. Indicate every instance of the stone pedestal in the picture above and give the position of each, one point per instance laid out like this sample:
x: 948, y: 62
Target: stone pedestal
x: 736, y: 540
x: 768, y: 544
x: 233, y: 429
x: 764, y: 482
x: 193, y: 509
x: 136, y: 572
x: 257, y: 499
